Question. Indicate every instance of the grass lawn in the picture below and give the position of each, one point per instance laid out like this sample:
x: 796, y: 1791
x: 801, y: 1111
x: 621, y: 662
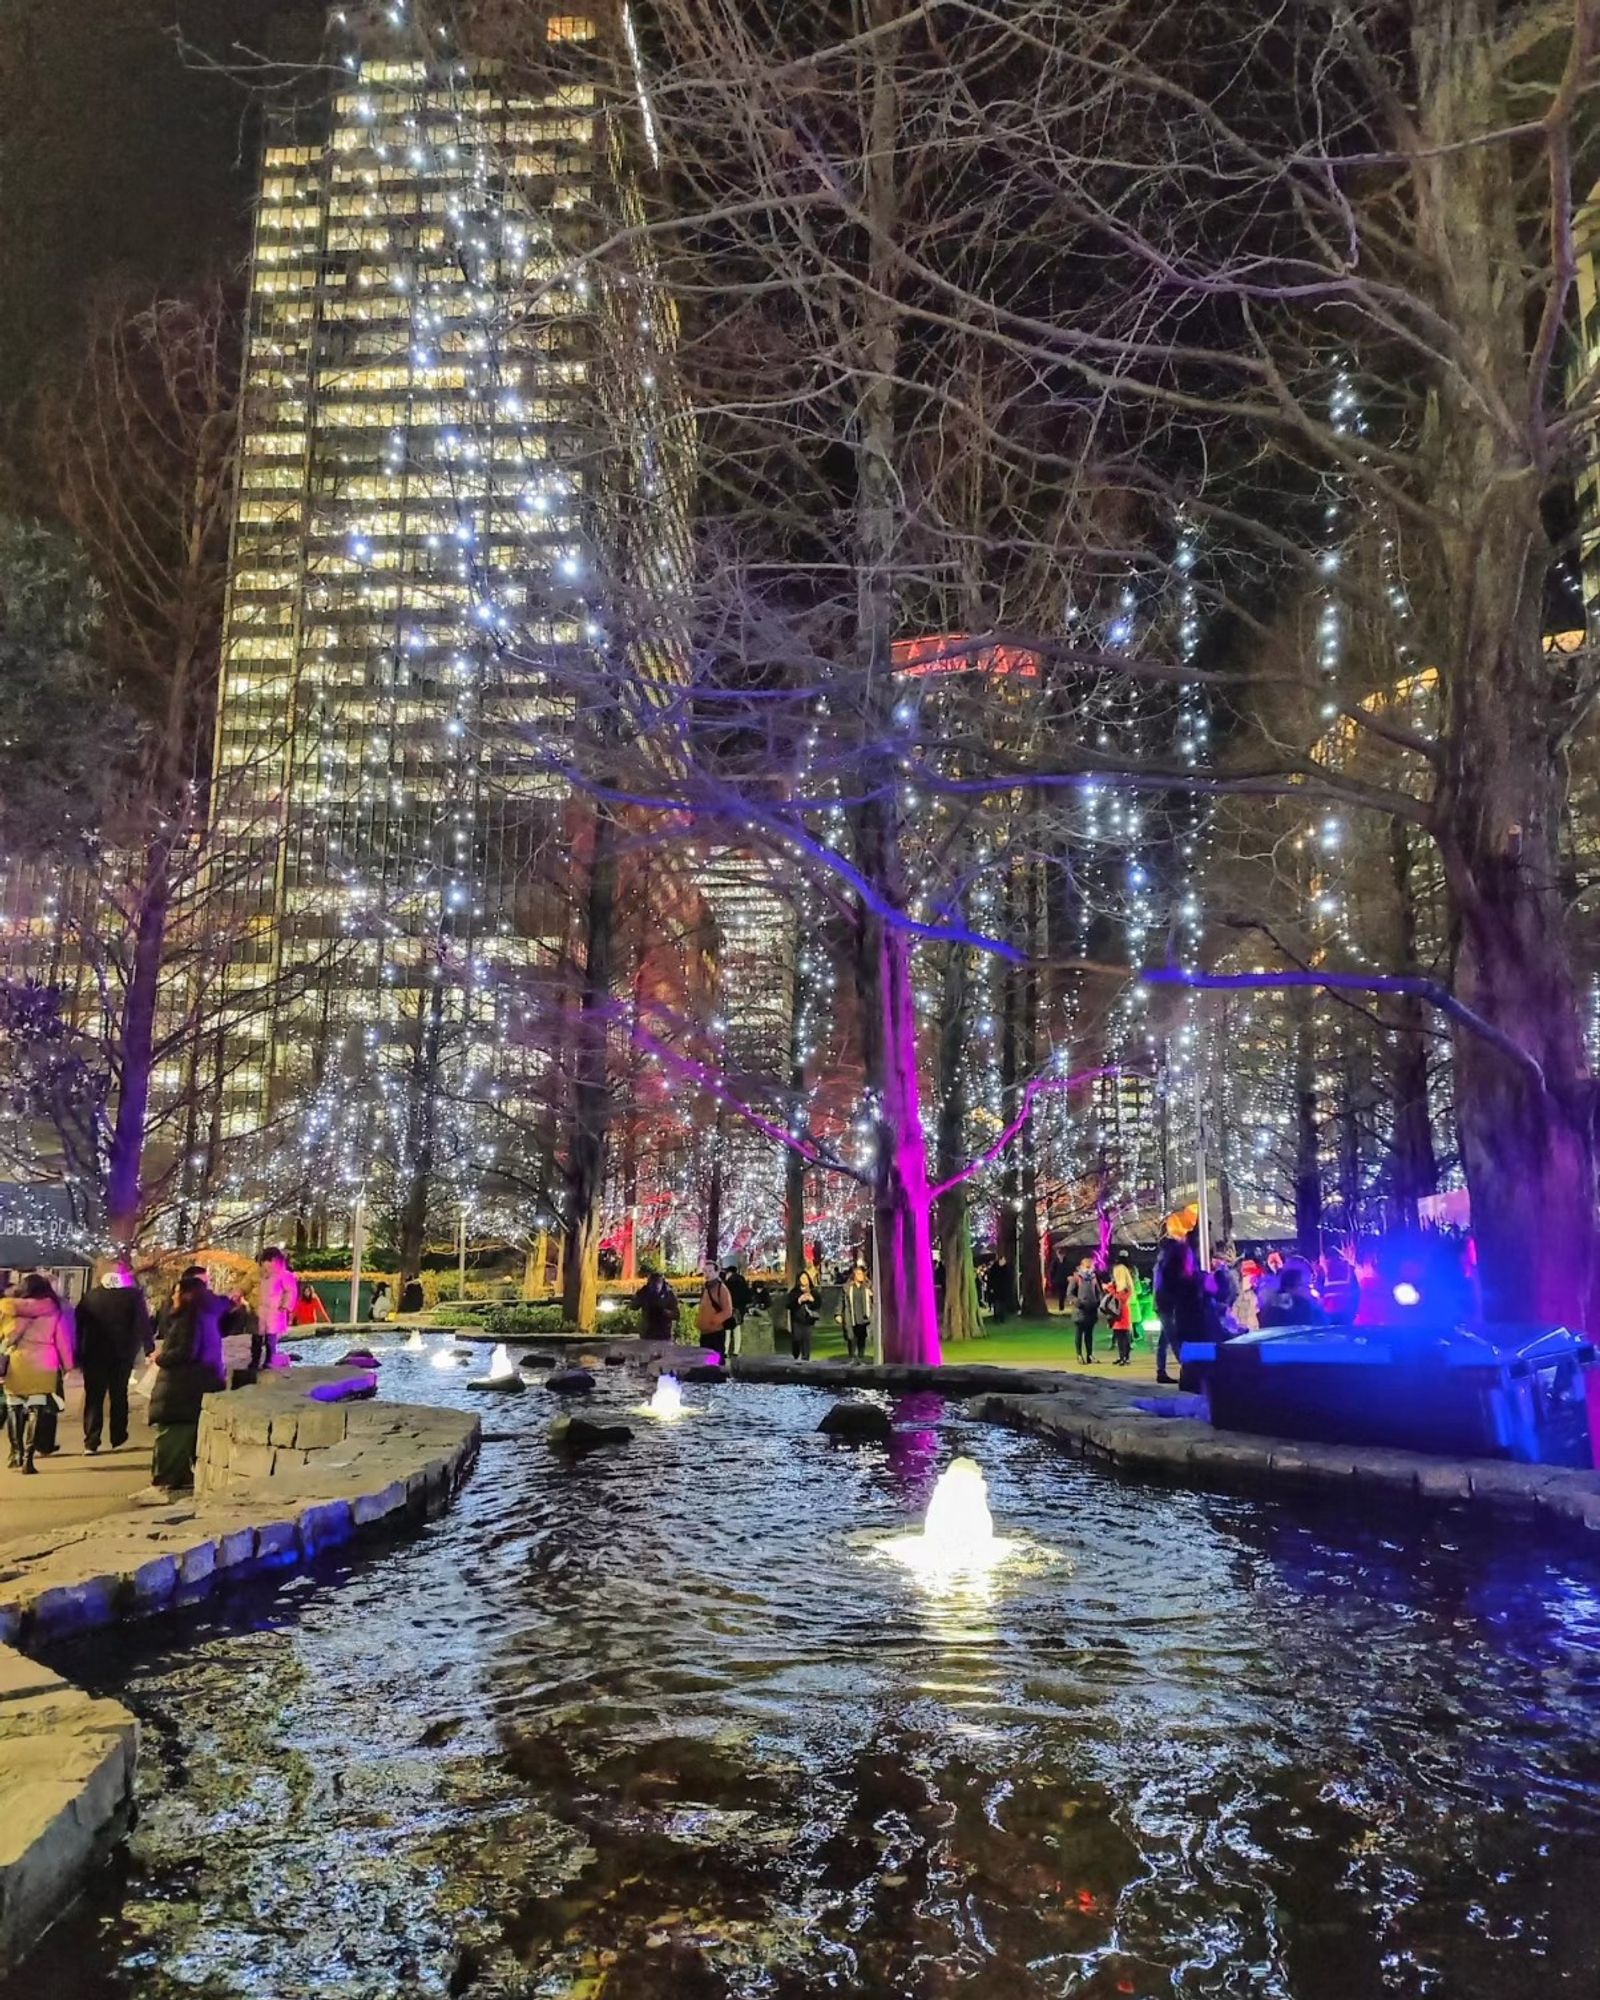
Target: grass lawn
x: 1023, y: 1343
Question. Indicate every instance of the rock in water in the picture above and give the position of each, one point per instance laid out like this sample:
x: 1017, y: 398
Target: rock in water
x: 570, y: 1382
x: 578, y: 1434
x: 858, y: 1422
x: 358, y: 1357
x: 703, y: 1371
x: 536, y: 1363
x: 500, y: 1385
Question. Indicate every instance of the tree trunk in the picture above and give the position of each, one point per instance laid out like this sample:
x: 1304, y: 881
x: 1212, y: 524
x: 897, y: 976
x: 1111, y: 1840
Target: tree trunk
x: 906, y: 1304
x: 124, y: 1183
x: 1413, y: 1168
x: 714, y: 1195
x: 1528, y: 1152
x: 1031, y: 1295
x: 591, y: 1100
x: 794, y: 1166
x: 421, y: 1118
x: 533, y: 1266
x: 908, y: 1309
x: 1307, y: 1150
x: 1527, y: 1126
x: 960, y: 1319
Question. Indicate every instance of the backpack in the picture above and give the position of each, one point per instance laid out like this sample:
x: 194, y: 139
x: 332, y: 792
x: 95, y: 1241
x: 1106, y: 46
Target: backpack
x: 712, y: 1318
x: 1110, y: 1307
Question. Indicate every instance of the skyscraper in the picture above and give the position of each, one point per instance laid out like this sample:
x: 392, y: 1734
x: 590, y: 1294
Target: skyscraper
x: 462, y: 455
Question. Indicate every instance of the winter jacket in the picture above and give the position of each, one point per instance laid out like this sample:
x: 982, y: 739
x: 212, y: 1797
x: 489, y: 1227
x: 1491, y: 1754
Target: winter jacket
x: 855, y: 1305
x: 189, y: 1361
x: 1180, y: 1291
x: 280, y: 1295
x: 658, y: 1309
x: 37, y: 1334
x: 113, y: 1326
x: 1084, y: 1293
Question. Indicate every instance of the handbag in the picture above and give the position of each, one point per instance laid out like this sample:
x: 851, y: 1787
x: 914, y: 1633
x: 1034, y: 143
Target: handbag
x: 5, y: 1362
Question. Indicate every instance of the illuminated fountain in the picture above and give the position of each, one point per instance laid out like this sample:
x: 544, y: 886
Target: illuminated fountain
x: 502, y: 1376
x: 666, y: 1402
x: 444, y: 1357
x: 415, y: 1344
x: 958, y: 1543
x: 958, y: 1525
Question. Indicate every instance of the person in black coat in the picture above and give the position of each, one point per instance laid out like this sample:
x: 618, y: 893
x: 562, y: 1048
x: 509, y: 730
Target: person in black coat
x: 114, y: 1329
x: 658, y: 1308
x: 189, y: 1368
x: 1180, y: 1297
x: 1001, y: 1287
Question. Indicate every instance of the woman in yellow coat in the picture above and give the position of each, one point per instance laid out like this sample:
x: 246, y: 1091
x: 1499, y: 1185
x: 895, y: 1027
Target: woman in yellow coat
x: 36, y: 1339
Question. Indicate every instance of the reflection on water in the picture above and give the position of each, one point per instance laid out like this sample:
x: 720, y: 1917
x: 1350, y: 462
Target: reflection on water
x: 652, y: 1726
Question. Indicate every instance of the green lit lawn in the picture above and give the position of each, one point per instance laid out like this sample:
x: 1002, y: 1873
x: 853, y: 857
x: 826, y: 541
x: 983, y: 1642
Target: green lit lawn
x: 1021, y: 1343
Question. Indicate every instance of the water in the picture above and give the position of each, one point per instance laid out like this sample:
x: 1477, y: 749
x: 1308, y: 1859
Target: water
x: 663, y: 1723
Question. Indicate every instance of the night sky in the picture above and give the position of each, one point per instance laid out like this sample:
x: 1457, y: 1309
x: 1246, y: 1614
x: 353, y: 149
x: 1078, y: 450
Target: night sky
x: 120, y: 159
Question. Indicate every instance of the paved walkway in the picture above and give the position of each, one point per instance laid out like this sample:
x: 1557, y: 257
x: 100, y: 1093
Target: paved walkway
x: 72, y: 1487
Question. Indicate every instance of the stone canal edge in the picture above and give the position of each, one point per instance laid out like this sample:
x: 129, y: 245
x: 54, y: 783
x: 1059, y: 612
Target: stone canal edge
x: 287, y: 1469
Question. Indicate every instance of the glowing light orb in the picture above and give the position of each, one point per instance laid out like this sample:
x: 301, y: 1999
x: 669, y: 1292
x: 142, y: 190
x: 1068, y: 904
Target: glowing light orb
x: 1406, y: 1294
x: 608, y: 1305
x: 1150, y: 1325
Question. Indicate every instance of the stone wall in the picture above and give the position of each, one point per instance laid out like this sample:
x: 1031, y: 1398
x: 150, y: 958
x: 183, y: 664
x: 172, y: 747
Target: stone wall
x: 290, y: 1427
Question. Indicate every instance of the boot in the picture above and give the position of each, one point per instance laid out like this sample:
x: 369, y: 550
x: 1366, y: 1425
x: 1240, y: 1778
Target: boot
x: 16, y: 1417
x: 30, y: 1438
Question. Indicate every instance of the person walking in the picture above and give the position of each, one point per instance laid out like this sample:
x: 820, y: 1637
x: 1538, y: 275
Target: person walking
x: 275, y: 1308
x: 113, y: 1330
x: 1179, y: 1296
x: 1116, y: 1308
x: 804, y: 1312
x: 1060, y: 1279
x: 657, y: 1304
x: 189, y: 1367
x: 714, y: 1314
x: 1001, y: 1286
x: 855, y: 1313
x: 739, y: 1291
x: 36, y: 1340
x: 1083, y: 1296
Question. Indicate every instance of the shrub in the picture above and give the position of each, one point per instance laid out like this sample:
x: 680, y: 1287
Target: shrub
x: 525, y: 1320
x: 468, y: 1315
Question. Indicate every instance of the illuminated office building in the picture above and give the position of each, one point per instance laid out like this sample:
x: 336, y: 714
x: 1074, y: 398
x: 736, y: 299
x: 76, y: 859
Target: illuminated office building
x: 462, y: 450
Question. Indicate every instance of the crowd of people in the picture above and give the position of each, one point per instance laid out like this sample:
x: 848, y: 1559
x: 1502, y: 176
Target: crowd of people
x: 43, y: 1339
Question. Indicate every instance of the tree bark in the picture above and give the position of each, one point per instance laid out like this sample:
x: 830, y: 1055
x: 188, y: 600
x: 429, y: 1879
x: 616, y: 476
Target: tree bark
x: 421, y: 1121
x: 907, y: 1307
x: 136, y: 1052
x: 1527, y: 1127
x: 1413, y: 1167
x: 1307, y: 1137
x: 960, y: 1318
x: 591, y: 1097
